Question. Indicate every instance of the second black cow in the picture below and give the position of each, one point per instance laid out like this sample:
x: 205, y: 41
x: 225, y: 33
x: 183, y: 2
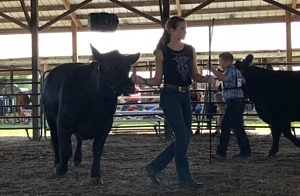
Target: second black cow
x: 275, y: 96
x: 81, y: 99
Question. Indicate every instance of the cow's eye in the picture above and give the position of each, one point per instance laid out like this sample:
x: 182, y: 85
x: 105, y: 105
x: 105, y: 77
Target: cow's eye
x: 110, y: 68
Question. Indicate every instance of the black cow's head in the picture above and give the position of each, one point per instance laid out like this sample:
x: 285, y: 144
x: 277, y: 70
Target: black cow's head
x: 114, y: 69
x: 244, y: 64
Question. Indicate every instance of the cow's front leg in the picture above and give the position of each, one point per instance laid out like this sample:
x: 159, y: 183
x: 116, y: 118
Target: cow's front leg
x: 65, y: 153
x: 288, y: 134
x: 78, y: 152
x: 98, y: 146
x: 276, y: 133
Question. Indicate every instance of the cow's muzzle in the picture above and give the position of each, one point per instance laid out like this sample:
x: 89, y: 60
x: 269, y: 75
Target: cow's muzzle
x: 125, y: 87
x: 128, y: 88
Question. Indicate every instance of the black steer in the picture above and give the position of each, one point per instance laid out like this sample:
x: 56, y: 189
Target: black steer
x: 275, y: 96
x: 81, y: 99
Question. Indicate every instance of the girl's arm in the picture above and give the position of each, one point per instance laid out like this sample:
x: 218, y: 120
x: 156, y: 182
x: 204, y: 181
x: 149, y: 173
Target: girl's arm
x: 196, y: 76
x: 156, y: 81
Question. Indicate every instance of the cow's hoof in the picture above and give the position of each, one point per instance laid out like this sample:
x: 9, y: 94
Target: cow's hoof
x: 56, y: 175
x: 272, y: 155
x: 96, y: 181
x: 77, y: 163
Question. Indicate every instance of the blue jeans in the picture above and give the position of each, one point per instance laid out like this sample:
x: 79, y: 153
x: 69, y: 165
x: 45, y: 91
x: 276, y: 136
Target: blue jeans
x: 177, y: 110
x: 233, y: 118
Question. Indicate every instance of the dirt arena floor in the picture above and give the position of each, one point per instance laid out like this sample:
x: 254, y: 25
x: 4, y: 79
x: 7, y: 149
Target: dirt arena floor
x: 26, y: 167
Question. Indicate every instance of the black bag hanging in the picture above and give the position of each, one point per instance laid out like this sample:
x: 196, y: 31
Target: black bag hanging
x: 104, y: 22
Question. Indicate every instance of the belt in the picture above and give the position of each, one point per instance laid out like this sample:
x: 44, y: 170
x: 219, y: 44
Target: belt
x: 178, y: 88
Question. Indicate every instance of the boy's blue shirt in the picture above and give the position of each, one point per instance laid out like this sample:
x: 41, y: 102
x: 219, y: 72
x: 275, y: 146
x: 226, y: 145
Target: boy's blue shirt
x: 232, y: 88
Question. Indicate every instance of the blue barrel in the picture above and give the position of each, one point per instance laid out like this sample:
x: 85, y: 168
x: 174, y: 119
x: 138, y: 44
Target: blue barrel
x: 150, y: 107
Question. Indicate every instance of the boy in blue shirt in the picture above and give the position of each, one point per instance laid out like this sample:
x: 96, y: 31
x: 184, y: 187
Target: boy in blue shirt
x: 233, y: 95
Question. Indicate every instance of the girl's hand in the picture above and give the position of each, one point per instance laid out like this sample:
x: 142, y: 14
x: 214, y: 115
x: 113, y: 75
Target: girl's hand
x: 137, y: 79
x: 208, y: 67
x: 133, y: 77
x: 211, y: 80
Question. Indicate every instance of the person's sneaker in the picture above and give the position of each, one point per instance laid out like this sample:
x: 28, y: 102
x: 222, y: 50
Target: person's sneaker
x: 241, y: 156
x: 190, y: 184
x: 217, y: 132
x: 218, y: 157
x: 197, y: 132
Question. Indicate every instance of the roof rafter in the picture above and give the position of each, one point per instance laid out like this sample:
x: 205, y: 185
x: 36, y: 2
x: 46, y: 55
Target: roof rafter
x: 178, y: 7
x: 25, y: 11
x: 64, y: 14
x: 73, y: 15
x: 204, y: 4
x: 287, y: 8
x: 294, y: 6
x: 127, y: 6
x: 140, y: 14
x: 7, y: 17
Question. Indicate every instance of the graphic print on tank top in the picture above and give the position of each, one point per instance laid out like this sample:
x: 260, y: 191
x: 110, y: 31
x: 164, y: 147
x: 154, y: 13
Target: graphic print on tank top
x: 182, y: 65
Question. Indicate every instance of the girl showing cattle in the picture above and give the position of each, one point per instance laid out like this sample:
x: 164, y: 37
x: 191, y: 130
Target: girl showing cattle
x: 176, y: 66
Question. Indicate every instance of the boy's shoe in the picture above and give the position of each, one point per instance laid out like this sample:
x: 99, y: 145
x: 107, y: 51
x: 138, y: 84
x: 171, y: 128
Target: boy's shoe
x: 241, y: 156
x: 218, y: 157
x: 217, y: 132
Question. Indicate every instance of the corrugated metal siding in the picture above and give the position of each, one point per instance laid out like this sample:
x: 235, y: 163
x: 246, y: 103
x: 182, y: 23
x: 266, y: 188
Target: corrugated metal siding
x: 220, y: 10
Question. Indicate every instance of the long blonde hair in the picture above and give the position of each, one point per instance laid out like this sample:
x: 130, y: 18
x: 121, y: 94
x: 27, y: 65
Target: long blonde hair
x: 165, y: 38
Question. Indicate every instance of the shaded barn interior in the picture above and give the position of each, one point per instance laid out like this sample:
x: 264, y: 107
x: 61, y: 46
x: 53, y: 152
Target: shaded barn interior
x: 43, y: 16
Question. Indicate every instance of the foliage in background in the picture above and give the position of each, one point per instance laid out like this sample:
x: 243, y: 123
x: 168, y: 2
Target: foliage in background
x: 21, y: 81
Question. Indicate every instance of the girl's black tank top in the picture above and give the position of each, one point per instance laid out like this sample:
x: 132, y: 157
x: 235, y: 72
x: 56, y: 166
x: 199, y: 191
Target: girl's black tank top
x: 177, y: 66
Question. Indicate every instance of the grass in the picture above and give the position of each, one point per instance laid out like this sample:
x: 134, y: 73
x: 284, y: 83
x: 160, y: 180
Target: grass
x: 15, y: 129
x: 14, y: 132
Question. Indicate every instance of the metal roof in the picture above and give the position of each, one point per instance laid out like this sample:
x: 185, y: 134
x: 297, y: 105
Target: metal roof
x: 57, y: 15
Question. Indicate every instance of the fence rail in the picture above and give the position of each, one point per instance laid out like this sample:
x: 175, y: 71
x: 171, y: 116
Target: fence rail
x: 16, y: 101
x: 16, y: 115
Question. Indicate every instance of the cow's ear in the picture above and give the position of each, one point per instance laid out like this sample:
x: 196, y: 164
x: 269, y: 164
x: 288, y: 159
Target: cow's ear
x: 133, y: 58
x: 95, y: 52
x: 249, y: 59
x: 239, y: 65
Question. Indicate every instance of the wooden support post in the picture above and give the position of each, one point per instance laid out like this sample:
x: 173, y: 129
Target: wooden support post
x: 289, y: 57
x: 74, y: 43
x: 36, y: 122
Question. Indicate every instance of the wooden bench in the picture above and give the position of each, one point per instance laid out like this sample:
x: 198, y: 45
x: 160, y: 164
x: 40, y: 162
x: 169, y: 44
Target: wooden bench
x: 156, y: 120
x: 152, y: 117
